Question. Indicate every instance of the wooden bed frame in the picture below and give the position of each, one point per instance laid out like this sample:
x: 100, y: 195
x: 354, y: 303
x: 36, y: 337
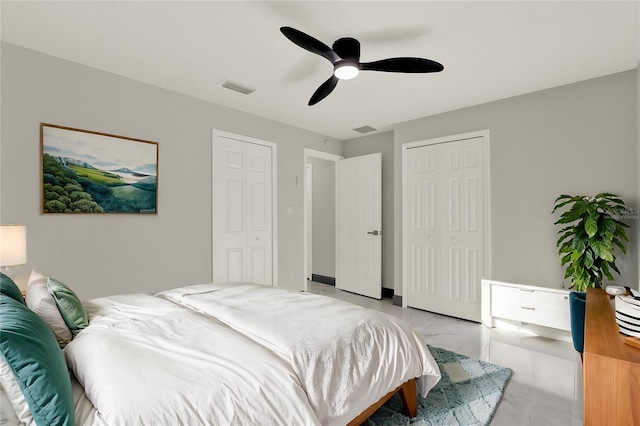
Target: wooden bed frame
x: 408, y: 395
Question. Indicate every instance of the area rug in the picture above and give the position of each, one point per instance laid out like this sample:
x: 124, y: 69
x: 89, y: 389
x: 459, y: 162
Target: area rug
x: 468, y: 393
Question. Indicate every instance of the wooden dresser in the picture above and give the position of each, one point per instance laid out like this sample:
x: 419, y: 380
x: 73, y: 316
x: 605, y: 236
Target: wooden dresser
x: 611, y: 368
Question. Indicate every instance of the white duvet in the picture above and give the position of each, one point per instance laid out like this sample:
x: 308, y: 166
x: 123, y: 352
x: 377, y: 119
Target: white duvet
x: 347, y: 357
x: 216, y: 376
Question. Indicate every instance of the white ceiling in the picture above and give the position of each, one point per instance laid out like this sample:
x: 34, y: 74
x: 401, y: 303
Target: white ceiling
x: 490, y: 50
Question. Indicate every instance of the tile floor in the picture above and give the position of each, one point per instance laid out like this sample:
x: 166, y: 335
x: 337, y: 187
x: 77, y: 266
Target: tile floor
x: 546, y: 387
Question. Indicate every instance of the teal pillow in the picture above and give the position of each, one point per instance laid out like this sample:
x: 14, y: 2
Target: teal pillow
x: 69, y: 305
x: 8, y: 287
x: 35, y: 359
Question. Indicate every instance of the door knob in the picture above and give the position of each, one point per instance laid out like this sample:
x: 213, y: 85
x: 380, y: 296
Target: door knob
x: 375, y: 233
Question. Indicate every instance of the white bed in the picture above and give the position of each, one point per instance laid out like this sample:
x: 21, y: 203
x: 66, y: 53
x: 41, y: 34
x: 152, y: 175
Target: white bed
x: 347, y: 356
x: 144, y: 360
x: 238, y: 354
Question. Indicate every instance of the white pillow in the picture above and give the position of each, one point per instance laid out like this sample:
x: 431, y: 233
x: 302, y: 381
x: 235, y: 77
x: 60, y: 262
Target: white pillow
x: 40, y: 301
x: 17, y: 411
x: 7, y: 414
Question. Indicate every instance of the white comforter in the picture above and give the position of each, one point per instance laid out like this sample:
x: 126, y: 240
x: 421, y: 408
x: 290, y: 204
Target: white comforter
x: 347, y: 357
x: 216, y: 376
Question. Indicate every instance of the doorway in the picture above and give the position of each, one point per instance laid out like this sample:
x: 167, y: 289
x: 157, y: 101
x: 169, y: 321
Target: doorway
x: 320, y: 215
x: 322, y: 220
x: 357, y: 218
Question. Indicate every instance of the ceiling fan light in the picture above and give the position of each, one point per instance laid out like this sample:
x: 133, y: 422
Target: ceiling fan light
x: 346, y: 70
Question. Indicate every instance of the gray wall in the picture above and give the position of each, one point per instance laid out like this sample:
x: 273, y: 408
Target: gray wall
x: 105, y: 254
x: 575, y: 139
x: 580, y: 138
x: 637, y: 220
x: 323, y: 217
x: 383, y: 143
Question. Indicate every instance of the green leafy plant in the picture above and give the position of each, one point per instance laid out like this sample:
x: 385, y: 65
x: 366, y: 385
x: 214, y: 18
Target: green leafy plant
x: 587, y: 243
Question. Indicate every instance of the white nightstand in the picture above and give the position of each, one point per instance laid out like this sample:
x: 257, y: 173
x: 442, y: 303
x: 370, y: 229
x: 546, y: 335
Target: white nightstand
x: 541, y: 310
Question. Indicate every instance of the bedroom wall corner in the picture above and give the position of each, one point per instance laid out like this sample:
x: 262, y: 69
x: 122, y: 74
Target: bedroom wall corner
x: 99, y: 255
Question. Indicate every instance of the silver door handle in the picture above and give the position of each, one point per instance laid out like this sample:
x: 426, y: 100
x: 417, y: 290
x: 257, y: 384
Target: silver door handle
x: 375, y: 233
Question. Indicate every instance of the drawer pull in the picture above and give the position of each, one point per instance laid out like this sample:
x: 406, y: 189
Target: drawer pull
x: 527, y: 290
x: 527, y: 307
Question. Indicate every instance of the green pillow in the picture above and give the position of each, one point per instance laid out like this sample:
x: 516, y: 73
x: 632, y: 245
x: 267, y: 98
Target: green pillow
x: 35, y: 359
x: 8, y: 287
x: 69, y: 305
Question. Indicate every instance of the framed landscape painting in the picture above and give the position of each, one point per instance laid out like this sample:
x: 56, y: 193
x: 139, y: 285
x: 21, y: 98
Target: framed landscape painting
x: 92, y: 172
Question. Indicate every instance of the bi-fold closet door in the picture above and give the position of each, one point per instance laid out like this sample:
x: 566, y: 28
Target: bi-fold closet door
x: 445, y: 251
x: 242, y: 211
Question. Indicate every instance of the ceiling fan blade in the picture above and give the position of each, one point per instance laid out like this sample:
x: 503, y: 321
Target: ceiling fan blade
x: 309, y: 43
x: 324, y: 90
x: 410, y: 65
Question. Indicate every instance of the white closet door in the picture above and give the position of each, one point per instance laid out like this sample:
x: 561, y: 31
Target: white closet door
x: 424, y: 225
x: 360, y: 225
x: 445, y: 228
x: 259, y: 214
x: 242, y: 203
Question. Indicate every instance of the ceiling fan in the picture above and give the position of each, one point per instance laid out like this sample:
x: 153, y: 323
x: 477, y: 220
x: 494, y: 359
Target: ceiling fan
x: 345, y: 57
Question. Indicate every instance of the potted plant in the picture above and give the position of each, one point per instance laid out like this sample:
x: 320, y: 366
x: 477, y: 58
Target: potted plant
x: 586, y: 243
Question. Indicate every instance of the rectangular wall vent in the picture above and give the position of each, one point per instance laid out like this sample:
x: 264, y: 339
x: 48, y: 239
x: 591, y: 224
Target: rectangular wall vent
x: 237, y: 87
x: 365, y: 129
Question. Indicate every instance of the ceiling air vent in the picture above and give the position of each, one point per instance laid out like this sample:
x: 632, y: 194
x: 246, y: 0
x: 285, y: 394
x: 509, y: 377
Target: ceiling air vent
x: 237, y: 87
x: 365, y: 129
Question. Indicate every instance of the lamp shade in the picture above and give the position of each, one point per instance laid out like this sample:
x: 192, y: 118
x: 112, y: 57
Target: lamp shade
x: 13, y: 245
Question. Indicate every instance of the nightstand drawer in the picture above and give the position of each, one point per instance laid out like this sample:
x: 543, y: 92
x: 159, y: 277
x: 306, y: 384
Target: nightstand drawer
x: 547, y: 300
x: 532, y: 298
x: 532, y: 315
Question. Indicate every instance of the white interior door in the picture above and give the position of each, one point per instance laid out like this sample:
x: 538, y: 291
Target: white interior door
x: 360, y: 225
x: 243, y: 211
x: 444, y: 240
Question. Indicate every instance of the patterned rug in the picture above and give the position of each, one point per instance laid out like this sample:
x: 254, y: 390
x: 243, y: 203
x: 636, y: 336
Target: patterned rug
x: 468, y: 393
